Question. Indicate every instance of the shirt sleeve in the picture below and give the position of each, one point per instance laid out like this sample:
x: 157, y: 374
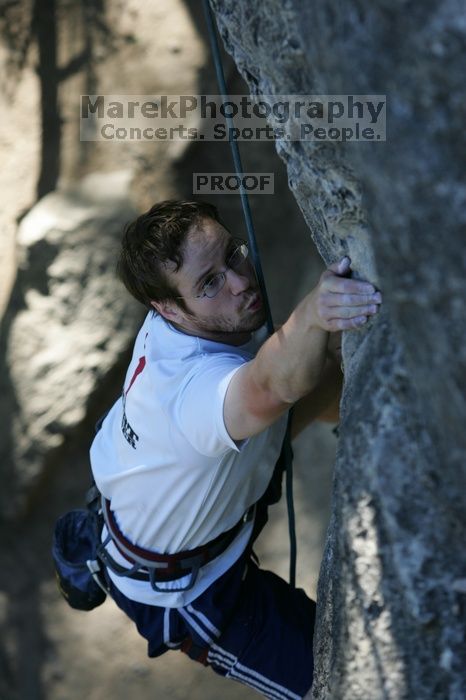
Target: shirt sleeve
x: 198, y: 409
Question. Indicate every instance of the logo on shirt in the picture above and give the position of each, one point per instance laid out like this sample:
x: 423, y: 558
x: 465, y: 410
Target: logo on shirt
x: 129, y: 433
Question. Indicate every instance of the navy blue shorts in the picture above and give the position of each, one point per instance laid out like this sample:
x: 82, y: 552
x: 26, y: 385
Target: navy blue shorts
x: 249, y: 625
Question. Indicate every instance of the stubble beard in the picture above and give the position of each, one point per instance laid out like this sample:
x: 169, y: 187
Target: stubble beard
x: 222, y: 324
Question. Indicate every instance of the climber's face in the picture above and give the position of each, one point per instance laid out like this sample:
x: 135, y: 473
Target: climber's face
x: 220, y: 293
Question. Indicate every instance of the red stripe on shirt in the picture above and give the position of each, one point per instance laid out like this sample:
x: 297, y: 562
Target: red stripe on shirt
x: 138, y: 370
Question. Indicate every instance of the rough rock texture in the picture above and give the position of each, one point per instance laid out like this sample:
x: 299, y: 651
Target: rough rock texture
x: 66, y: 325
x: 392, y: 593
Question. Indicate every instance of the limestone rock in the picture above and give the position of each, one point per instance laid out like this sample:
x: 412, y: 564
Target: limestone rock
x: 68, y: 321
x: 391, y: 611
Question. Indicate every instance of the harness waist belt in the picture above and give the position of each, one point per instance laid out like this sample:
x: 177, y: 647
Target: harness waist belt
x: 169, y: 566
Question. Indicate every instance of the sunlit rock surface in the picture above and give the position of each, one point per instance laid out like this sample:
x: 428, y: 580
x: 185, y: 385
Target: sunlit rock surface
x: 67, y: 323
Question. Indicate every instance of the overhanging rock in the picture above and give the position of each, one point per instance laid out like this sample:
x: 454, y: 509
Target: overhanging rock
x: 391, y: 596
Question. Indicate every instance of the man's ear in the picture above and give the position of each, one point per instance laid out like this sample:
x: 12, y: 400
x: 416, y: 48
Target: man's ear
x: 168, y: 309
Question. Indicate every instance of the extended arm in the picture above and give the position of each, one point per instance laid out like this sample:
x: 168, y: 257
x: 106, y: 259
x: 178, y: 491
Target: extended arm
x: 290, y: 363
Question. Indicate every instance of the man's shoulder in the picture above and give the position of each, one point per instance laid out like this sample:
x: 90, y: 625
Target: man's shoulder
x: 165, y: 341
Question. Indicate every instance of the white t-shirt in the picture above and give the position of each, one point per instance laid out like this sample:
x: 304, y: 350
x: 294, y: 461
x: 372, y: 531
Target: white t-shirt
x: 164, y: 458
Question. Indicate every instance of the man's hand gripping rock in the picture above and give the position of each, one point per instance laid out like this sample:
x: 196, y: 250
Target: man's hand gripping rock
x: 341, y: 303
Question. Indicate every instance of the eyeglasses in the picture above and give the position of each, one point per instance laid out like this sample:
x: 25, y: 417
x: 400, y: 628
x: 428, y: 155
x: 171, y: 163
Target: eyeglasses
x: 214, y: 284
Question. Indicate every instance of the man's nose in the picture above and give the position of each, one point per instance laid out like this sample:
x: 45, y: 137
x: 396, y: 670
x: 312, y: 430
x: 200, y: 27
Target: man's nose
x: 237, y: 283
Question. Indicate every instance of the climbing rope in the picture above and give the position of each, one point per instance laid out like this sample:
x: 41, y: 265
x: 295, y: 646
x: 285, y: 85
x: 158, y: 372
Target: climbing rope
x: 287, y: 450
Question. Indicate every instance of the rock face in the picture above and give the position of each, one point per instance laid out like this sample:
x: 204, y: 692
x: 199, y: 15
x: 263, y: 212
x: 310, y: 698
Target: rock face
x: 392, y: 592
x: 66, y: 325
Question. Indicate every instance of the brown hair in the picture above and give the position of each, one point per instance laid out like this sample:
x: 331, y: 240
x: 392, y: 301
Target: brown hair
x: 153, y: 239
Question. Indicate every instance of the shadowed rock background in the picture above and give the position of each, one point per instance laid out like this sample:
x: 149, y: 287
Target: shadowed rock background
x: 392, y: 590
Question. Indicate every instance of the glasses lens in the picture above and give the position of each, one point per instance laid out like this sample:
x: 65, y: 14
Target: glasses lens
x: 213, y: 287
x: 238, y: 256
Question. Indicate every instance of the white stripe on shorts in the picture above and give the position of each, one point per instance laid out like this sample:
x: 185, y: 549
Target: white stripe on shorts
x: 247, y: 675
x: 260, y: 687
x: 166, y: 630
x: 191, y: 621
x: 204, y: 619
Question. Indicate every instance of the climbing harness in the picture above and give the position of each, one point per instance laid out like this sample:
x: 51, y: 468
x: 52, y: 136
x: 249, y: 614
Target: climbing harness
x: 79, y: 551
x: 147, y: 565
x: 287, y: 449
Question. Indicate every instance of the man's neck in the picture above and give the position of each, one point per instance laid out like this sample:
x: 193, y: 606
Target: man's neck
x: 223, y: 337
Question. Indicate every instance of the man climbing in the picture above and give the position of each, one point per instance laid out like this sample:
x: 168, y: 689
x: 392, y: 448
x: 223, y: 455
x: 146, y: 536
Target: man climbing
x: 187, y: 459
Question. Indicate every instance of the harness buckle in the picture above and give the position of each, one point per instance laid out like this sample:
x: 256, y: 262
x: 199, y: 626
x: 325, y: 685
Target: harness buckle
x: 194, y: 571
